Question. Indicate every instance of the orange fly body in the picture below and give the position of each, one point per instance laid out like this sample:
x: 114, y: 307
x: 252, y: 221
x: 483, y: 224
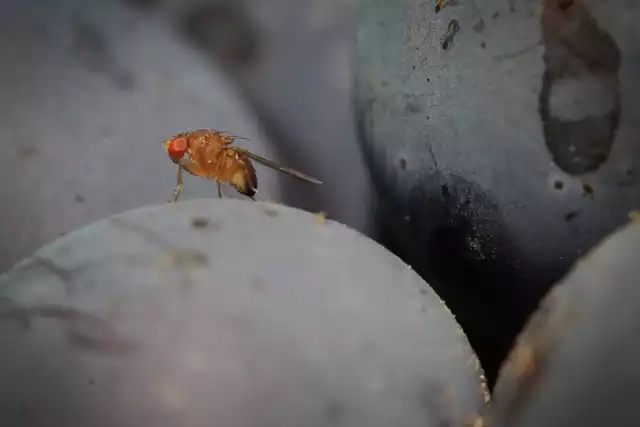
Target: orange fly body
x: 209, y: 154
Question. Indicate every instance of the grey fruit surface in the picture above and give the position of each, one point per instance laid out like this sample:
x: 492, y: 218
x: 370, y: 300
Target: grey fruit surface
x: 231, y: 313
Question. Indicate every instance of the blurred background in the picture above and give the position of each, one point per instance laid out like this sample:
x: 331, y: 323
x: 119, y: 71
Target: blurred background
x: 91, y: 88
x: 489, y: 145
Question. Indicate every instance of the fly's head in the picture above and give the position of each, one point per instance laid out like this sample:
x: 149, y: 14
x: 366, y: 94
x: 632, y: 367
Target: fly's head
x: 176, y: 148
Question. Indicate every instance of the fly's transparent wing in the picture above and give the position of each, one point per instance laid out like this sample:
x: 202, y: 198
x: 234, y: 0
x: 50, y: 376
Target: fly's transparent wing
x: 273, y: 165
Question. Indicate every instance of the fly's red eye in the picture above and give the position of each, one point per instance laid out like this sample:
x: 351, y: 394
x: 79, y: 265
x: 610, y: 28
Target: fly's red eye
x: 177, y: 148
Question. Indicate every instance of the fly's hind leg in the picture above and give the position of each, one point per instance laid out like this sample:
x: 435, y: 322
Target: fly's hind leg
x: 178, y: 191
x: 219, y: 189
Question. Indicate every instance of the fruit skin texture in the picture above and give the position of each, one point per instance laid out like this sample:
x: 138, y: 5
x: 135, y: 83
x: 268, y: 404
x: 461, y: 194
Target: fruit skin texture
x: 247, y: 313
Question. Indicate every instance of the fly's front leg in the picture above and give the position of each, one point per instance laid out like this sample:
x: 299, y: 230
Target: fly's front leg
x: 178, y: 191
x: 189, y: 167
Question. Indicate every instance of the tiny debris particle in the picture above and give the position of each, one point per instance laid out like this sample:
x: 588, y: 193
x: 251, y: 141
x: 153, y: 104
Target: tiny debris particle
x: 403, y: 163
x: 524, y: 361
x: 321, y: 218
x: 558, y: 185
x: 183, y: 258
x: 587, y: 188
x: 79, y: 198
x: 271, y: 212
x: 440, y: 4
x: 479, y: 26
x: 200, y: 223
x: 570, y: 216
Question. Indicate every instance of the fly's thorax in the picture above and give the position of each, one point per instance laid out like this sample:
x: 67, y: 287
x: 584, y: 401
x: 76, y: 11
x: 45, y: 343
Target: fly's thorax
x: 209, y: 158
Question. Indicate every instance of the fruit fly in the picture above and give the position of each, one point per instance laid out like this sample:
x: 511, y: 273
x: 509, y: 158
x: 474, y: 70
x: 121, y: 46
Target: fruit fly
x: 209, y: 154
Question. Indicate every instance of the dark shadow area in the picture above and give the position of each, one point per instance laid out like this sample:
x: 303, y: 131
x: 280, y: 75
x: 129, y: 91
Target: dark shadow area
x: 458, y: 244
x: 453, y: 234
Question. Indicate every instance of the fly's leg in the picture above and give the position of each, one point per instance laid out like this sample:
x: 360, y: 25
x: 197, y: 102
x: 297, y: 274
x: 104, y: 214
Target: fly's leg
x: 219, y: 188
x: 178, y: 191
x: 189, y: 167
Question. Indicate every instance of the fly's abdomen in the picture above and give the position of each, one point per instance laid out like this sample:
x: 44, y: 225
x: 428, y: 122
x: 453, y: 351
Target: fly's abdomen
x: 244, y: 179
